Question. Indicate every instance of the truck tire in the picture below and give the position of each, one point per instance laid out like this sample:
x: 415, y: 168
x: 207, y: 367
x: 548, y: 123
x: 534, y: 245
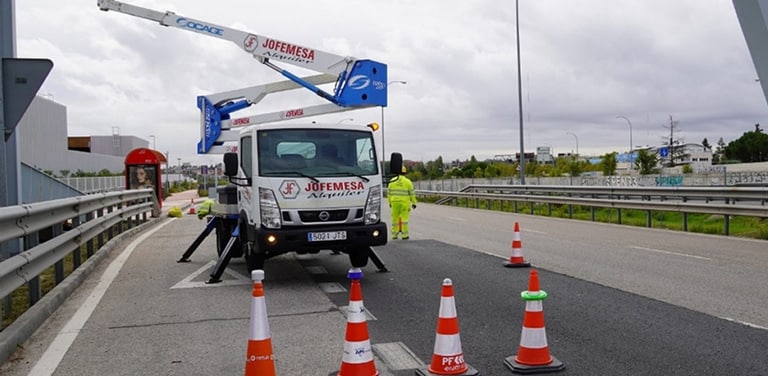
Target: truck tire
x: 223, y: 234
x: 254, y: 258
x: 358, y: 257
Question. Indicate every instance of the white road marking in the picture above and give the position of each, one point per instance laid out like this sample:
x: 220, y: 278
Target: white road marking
x: 672, y: 253
x: 53, y: 355
x: 457, y: 219
x: 188, y: 282
x: 744, y: 323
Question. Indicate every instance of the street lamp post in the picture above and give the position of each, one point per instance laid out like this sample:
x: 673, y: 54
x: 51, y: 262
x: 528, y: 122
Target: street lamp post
x: 179, y: 160
x: 153, y: 141
x: 631, y: 167
x: 577, y: 142
x: 520, y: 94
x: 383, y: 150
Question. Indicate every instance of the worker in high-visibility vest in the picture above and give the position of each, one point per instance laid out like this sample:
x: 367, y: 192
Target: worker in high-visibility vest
x: 402, y: 198
x: 205, y: 208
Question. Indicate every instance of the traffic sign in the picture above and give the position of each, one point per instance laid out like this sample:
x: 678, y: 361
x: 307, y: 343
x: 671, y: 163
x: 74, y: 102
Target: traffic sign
x: 22, y: 79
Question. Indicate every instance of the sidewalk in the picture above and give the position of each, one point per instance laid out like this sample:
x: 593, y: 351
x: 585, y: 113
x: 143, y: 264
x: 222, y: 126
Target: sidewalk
x: 181, y: 199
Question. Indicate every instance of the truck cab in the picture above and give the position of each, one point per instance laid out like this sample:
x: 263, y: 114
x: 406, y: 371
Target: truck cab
x: 307, y: 187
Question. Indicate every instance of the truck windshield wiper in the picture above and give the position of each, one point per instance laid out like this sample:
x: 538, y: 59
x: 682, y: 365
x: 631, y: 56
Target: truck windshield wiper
x: 292, y: 172
x: 346, y: 173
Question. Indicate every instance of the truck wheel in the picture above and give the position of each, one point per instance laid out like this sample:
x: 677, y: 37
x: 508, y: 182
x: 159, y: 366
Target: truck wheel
x: 254, y: 258
x: 223, y: 234
x: 358, y: 257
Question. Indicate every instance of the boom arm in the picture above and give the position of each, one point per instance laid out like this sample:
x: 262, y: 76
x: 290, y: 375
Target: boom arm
x: 358, y: 83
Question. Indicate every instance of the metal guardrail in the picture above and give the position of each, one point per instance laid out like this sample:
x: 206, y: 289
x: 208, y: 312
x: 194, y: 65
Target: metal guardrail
x: 39, y: 229
x: 758, y: 195
x: 725, y: 201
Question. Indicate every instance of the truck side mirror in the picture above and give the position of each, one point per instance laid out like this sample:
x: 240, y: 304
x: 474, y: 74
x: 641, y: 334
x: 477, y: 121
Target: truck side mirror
x: 230, y: 164
x: 395, y: 163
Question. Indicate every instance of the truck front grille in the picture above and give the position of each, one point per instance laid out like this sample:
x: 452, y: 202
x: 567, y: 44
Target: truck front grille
x: 308, y: 216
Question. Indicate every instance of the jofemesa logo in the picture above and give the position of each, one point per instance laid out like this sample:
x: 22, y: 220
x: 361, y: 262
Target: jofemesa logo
x: 183, y: 22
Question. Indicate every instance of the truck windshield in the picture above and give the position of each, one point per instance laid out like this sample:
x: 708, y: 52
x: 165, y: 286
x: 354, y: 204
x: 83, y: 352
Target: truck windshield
x: 316, y: 152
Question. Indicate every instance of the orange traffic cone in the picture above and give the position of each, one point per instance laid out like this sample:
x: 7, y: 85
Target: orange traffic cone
x: 358, y: 354
x: 447, y: 358
x: 533, y: 355
x: 517, y: 260
x: 259, y: 359
x: 192, y: 206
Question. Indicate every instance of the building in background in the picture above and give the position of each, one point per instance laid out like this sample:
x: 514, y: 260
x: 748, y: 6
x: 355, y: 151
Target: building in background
x: 44, y: 144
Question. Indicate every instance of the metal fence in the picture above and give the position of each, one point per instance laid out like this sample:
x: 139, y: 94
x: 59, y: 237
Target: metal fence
x: 714, y: 179
x: 95, y: 183
x: 724, y: 201
x: 38, y: 237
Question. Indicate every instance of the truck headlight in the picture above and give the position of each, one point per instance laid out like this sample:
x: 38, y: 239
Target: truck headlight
x: 270, y: 210
x: 373, y: 206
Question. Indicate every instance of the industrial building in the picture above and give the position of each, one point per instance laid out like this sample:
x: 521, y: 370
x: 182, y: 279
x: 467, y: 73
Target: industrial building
x: 44, y: 144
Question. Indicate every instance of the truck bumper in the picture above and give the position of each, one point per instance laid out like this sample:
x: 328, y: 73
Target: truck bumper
x: 293, y: 239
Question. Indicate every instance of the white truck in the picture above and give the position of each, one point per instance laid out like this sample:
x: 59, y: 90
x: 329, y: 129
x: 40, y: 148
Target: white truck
x: 299, y: 187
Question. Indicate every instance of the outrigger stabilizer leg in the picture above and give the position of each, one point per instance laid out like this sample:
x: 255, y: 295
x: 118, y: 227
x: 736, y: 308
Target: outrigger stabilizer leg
x: 208, y: 228
x: 376, y: 260
x: 218, y: 269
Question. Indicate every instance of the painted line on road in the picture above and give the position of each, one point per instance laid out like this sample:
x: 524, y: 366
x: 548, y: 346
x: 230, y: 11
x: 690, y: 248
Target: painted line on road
x: 672, y: 253
x: 745, y: 323
x: 188, y: 282
x: 53, y: 355
x: 458, y: 219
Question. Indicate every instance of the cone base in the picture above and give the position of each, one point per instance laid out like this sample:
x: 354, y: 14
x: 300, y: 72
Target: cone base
x: 425, y: 372
x: 338, y: 373
x: 515, y: 367
x: 509, y: 264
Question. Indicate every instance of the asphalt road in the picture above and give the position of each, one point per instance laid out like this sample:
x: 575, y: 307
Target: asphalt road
x: 622, y: 301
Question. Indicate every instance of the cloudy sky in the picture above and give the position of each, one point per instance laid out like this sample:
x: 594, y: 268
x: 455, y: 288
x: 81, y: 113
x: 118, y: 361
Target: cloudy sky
x: 583, y: 64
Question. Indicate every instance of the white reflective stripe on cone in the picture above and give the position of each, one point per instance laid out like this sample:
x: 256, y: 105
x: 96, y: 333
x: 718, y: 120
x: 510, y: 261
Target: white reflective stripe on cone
x: 533, y: 338
x: 356, y: 312
x: 260, y: 329
x: 447, y: 307
x: 447, y: 345
x: 534, y: 305
x: 357, y: 352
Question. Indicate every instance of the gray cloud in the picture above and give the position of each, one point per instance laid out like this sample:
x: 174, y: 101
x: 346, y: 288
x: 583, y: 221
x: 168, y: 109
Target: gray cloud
x: 583, y: 64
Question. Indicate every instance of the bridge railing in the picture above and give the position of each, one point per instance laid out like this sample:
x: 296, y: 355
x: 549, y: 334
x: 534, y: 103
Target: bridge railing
x: 724, y: 201
x: 38, y: 239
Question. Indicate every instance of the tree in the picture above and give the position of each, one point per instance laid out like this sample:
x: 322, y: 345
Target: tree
x: 608, y: 164
x: 646, y: 162
x: 64, y: 173
x: 576, y: 167
x: 719, y: 151
x: 435, y: 168
x: 750, y: 147
x: 706, y: 144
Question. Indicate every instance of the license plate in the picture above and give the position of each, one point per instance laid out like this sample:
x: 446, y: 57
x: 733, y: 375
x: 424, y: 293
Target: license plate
x: 327, y: 236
